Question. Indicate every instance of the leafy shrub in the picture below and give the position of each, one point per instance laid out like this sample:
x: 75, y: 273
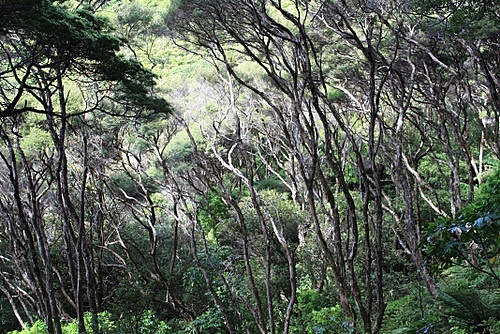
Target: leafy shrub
x: 146, y: 323
x: 37, y: 328
x: 471, y: 239
x: 416, y: 312
x: 471, y: 300
x: 317, y: 317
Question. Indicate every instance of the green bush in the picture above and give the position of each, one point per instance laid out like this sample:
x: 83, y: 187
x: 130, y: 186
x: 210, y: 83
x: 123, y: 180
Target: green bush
x: 317, y: 317
x: 471, y: 239
x: 470, y: 300
x: 37, y: 328
x: 416, y: 312
x: 145, y: 323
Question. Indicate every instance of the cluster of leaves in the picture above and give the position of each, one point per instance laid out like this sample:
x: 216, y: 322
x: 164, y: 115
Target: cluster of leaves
x: 470, y: 299
x: 464, y: 252
x: 80, y: 42
x: 465, y: 19
x: 472, y: 238
x: 146, y: 323
x: 318, y: 316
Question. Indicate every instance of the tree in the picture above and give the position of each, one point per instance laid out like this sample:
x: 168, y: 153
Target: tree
x: 312, y: 132
x: 47, y: 51
x: 354, y: 92
x: 314, y: 150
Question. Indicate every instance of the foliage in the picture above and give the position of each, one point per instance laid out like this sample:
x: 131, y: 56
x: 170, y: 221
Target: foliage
x: 416, y: 312
x: 470, y: 299
x: 472, y: 237
x: 38, y: 327
x: 466, y: 18
x: 317, y: 317
x: 212, y: 214
x: 80, y: 43
x: 36, y: 142
x: 209, y: 322
x: 313, y: 142
x: 147, y: 323
x: 8, y: 320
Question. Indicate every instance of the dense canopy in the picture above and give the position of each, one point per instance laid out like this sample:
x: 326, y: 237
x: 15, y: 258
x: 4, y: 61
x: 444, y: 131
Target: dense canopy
x: 250, y: 166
